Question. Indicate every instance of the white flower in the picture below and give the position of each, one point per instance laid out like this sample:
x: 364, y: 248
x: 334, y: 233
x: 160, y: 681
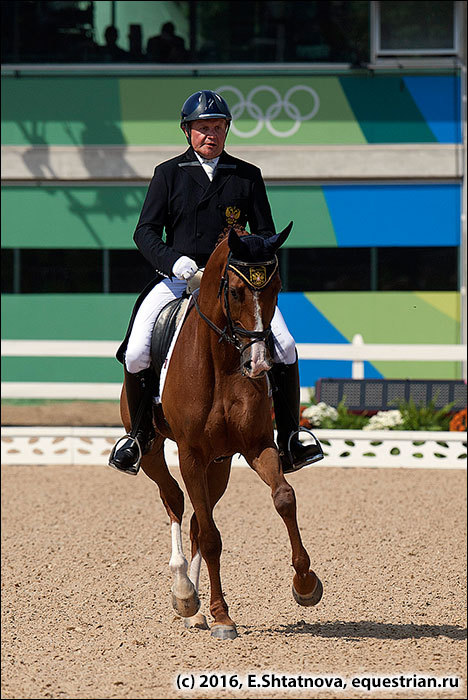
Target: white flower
x: 317, y: 413
x: 384, y: 420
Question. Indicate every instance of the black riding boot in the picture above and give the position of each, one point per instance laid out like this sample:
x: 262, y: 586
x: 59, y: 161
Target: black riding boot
x: 126, y: 457
x: 286, y: 400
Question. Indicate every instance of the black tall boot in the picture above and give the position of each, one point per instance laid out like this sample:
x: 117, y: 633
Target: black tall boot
x: 286, y: 399
x: 139, y: 389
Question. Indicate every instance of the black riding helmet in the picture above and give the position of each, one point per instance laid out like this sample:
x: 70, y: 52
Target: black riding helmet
x: 204, y: 104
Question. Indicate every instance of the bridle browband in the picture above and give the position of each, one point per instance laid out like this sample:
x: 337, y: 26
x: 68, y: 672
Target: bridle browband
x: 257, y: 276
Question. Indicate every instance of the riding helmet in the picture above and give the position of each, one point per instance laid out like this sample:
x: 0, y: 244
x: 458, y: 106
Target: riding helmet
x: 204, y: 104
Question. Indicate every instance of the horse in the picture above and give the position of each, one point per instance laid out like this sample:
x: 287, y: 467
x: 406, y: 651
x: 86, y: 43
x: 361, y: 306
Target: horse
x: 216, y: 403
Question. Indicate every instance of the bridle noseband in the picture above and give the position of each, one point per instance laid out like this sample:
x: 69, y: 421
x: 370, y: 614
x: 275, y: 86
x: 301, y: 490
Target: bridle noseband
x: 257, y: 276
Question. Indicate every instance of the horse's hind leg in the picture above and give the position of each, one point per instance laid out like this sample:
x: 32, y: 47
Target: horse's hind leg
x: 184, y: 596
x: 218, y: 477
x: 307, y: 587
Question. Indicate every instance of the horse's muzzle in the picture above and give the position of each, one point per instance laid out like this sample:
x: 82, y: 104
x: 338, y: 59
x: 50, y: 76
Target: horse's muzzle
x: 258, y: 362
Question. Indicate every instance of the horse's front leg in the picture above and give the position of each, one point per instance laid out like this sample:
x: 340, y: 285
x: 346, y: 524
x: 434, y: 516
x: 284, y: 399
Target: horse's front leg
x: 307, y: 587
x: 217, y: 477
x: 209, y: 539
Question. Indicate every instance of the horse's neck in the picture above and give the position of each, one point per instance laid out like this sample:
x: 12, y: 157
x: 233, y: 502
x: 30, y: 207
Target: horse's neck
x: 221, y: 354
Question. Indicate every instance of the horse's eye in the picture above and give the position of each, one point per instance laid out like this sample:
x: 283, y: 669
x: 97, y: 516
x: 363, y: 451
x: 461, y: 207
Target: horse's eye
x: 234, y: 293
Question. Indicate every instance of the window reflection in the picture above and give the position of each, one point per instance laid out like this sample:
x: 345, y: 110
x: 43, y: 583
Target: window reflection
x: 179, y: 32
x: 46, y: 271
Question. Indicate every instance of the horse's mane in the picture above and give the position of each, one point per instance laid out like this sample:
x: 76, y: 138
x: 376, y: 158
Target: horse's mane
x: 240, y: 230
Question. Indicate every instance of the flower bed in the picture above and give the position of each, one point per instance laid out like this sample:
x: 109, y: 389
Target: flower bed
x: 407, y: 416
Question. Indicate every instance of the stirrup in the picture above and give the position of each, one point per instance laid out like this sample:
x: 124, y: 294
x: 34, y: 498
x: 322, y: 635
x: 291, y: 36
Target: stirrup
x: 310, y: 460
x: 133, y: 470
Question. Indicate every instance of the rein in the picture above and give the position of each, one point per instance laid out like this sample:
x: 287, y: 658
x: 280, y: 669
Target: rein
x: 232, y: 333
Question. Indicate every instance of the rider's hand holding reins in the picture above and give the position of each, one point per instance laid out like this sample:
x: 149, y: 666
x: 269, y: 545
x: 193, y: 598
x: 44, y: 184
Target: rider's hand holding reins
x: 184, y: 268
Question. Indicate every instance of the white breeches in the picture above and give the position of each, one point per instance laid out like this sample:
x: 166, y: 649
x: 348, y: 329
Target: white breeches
x: 138, y: 353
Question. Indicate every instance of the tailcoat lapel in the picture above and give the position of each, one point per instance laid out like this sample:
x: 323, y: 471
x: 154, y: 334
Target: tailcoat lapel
x: 191, y: 165
x: 225, y: 169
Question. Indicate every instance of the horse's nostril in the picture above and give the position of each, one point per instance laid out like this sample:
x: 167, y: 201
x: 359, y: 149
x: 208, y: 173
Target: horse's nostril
x: 248, y: 365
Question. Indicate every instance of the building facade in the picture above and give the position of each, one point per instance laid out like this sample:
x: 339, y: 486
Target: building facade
x: 354, y: 113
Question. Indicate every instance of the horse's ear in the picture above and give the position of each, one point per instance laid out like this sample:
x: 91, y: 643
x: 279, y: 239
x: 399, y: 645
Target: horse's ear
x: 235, y: 244
x: 277, y: 241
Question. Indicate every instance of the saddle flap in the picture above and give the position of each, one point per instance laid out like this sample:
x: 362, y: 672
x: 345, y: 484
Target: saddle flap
x: 163, y: 331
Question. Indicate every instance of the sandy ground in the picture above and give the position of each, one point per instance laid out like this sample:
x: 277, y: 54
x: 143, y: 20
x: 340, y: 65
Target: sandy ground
x: 86, y: 605
x: 61, y: 413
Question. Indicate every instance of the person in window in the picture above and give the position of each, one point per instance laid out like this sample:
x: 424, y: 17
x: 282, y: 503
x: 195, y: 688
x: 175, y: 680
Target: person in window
x: 110, y: 51
x: 194, y: 197
x: 167, y: 47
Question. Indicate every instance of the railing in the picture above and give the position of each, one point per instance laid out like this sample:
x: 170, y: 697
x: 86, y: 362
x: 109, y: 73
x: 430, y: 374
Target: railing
x: 47, y: 445
x: 357, y: 352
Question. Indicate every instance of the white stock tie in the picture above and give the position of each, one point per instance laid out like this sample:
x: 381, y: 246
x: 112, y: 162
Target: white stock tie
x: 209, y: 168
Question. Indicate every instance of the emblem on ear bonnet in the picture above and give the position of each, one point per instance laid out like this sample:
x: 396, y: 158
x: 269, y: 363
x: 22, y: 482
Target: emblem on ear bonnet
x: 253, y: 258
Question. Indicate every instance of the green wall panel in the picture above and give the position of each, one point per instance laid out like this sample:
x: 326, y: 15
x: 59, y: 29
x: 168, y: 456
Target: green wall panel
x: 70, y: 216
x: 390, y: 317
x: 105, y: 216
x: 66, y: 316
x: 307, y: 208
x: 67, y: 111
x: 446, y: 302
x: 385, y: 317
x: 399, y: 318
x: 268, y: 109
x: 385, y: 110
x: 146, y: 119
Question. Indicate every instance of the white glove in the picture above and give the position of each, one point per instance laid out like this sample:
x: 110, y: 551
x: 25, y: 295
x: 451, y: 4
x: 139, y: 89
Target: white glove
x: 184, y: 268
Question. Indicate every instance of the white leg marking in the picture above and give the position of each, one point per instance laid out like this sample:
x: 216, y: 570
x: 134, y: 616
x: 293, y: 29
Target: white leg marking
x: 178, y: 564
x: 195, y: 566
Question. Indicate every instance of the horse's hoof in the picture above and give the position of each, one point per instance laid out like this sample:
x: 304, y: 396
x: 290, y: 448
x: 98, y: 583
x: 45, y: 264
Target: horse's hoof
x: 186, y: 607
x: 309, y: 599
x: 197, y: 621
x: 224, y: 631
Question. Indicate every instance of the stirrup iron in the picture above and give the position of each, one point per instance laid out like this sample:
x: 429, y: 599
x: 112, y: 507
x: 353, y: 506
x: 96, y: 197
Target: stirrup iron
x: 315, y: 458
x: 134, y: 440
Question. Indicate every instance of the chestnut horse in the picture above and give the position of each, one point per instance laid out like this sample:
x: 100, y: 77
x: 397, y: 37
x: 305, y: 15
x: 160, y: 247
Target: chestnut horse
x: 216, y: 403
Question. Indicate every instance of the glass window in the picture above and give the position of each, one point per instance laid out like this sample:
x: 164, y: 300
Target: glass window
x: 325, y: 269
x: 282, y: 31
x: 302, y: 270
x: 419, y: 269
x: 200, y: 31
x: 61, y: 271
x: 421, y: 27
x: 129, y: 271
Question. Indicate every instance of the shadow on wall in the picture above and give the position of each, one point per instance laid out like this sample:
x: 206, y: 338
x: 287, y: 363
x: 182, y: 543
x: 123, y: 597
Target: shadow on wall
x: 38, y: 162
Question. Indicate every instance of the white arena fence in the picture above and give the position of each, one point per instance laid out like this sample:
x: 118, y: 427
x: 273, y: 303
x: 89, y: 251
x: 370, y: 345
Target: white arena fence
x: 357, y: 352
x: 53, y: 445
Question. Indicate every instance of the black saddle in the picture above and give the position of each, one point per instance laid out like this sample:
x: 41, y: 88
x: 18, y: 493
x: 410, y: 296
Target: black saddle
x: 163, y: 333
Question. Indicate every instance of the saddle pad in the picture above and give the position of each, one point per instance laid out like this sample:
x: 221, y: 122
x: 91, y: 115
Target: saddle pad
x: 165, y: 333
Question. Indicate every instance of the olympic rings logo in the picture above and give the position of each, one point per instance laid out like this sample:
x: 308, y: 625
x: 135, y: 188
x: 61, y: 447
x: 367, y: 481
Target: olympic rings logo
x: 266, y: 118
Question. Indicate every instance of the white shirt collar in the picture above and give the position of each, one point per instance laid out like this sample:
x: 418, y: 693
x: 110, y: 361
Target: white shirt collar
x: 208, y: 165
x: 213, y: 161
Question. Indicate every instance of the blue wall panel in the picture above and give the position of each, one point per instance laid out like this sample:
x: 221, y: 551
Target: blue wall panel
x: 395, y: 215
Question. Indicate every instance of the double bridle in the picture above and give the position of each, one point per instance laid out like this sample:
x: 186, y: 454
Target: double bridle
x: 257, y: 276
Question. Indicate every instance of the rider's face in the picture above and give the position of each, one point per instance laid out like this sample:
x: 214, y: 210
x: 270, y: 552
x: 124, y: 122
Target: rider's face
x: 208, y: 136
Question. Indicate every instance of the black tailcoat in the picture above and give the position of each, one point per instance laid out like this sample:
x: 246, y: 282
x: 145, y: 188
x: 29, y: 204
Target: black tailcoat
x: 192, y: 212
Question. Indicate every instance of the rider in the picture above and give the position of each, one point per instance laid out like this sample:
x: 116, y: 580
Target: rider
x: 193, y: 197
